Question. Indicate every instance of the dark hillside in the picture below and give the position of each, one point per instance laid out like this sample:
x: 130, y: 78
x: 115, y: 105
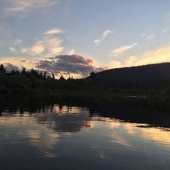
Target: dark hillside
x: 156, y: 75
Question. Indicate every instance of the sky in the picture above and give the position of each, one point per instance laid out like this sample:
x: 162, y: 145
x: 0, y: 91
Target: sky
x: 76, y: 37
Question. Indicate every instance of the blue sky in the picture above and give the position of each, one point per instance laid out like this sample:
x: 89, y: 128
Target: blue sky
x: 75, y: 37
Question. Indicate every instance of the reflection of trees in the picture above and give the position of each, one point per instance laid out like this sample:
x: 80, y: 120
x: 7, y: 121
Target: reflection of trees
x: 30, y: 103
x: 133, y: 114
x: 57, y: 117
x: 102, y: 119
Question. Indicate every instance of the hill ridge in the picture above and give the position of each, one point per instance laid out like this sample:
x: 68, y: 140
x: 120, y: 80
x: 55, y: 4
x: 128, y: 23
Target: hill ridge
x: 136, y: 76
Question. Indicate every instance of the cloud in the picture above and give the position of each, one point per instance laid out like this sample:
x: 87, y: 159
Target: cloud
x: 24, y: 8
x: 71, y: 52
x: 165, y: 30
x: 12, y: 49
x: 103, y: 36
x: 159, y: 55
x: 50, y: 45
x: 39, y: 136
x: 53, y: 31
x: 122, y: 49
x: 38, y: 48
x: 115, y: 64
x: 151, y: 36
x: 18, y: 61
x: 167, y: 17
x: 77, y: 59
x: 69, y: 64
x: 9, y: 67
x: 17, y: 41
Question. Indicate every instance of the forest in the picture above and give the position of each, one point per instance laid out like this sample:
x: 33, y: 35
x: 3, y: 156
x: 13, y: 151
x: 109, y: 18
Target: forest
x: 147, y: 85
x: 147, y: 79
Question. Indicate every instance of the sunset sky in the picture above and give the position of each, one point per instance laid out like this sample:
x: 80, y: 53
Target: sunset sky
x: 75, y: 37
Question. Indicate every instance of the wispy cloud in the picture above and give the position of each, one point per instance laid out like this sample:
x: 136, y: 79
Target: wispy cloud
x: 151, y: 36
x: 24, y: 8
x: 122, y: 49
x: 18, y: 61
x: 165, y: 30
x: 53, y: 31
x: 159, y: 55
x: 168, y: 17
x: 114, y: 64
x: 71, y: 52
x: 12, y: 49
x: 103, y: 36
x: 18, y: 41
x: 47, y: 45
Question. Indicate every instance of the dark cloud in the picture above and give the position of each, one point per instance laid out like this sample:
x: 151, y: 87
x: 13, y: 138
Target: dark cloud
x: 69, y: 64
x: 76, y: 59
x: 9, y: 67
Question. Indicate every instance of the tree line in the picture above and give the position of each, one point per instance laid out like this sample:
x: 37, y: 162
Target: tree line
x: 149, y: 79
x: 30, y: 81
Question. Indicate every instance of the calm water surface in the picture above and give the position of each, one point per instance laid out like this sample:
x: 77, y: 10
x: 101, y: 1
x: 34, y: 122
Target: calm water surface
x: 63, y: 137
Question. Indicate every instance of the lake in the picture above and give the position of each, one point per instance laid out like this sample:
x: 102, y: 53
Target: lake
x: 63, y: 137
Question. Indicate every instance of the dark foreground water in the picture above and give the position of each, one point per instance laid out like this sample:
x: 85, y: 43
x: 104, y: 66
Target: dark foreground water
x: 81, y: 138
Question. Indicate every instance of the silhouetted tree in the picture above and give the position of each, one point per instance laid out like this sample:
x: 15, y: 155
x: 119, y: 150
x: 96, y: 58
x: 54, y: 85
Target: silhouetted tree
x: 2, y: 69
x: 61, y: 77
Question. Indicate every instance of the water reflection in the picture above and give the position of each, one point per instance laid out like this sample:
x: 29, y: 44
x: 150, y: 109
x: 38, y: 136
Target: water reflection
x: 15, y: 127
x: 65, y: 118
x: 146, y: 117
x: 123, y: 133
x: 41, y: 128
x: 84, y: 138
